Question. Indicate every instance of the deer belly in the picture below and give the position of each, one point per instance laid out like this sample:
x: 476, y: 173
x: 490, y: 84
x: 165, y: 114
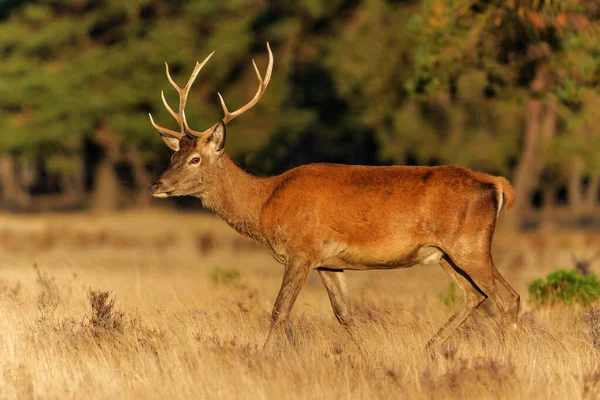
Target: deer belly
x: 339, y: 256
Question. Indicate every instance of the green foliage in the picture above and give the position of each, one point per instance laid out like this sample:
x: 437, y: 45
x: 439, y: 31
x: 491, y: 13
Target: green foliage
x: 565, y: 287
x: 225, y: 276
x: 368, y: 81
x: 508, y: 42
x: 72, y: 69
x: 451, y: 296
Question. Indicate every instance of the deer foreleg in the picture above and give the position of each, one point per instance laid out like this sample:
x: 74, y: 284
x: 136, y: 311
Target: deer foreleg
x: 293, y: 280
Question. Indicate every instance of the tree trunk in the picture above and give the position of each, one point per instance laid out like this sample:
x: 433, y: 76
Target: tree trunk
x: 575, y: 187
x: 548, y: 204
x: 548, y: 129
x: 105, y: 196
x: 72, y: 186
x: 591, y: 196
x: 527, y: 170
x: 13, y: 191
x: 141, y: 178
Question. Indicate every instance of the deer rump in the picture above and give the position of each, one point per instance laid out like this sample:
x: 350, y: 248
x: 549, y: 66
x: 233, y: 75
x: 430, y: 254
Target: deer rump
x: 363, y: 217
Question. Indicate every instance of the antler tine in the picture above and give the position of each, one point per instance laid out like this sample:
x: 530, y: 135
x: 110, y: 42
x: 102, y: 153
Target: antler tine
x: 183, y: 95
x: 171, y: 81
x: 173, y: 113
x: 186, y: 89
x: 165, y: 131
x: 187, y: 127
x: 262, y: 86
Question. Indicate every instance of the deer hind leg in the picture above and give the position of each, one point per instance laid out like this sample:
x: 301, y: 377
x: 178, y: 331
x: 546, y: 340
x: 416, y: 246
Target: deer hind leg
x: 507, y: 299
x: 335, y: 283
x: 473, y: 296
x: 293, y: 279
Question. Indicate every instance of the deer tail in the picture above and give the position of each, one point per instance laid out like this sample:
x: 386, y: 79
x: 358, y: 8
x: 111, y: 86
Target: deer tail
x: 506, y: 193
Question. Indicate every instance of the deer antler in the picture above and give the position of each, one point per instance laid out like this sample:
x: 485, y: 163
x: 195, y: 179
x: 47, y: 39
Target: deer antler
x: 262, y: 86
x: 183, y: 94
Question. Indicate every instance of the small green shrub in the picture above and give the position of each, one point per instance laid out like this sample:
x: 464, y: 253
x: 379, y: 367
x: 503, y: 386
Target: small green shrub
x: 451, y: 297
x: 566, y: 287
x: 225, y: 276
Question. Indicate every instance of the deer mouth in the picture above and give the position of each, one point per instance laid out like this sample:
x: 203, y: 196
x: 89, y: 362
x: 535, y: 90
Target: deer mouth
x: 157, y: 189
x: 163, y: 195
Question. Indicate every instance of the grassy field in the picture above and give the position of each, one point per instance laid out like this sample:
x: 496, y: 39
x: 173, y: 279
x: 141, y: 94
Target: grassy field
x: 191, y: 312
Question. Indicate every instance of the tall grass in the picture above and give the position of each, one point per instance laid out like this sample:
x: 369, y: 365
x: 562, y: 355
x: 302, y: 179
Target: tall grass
x: 103, y: 321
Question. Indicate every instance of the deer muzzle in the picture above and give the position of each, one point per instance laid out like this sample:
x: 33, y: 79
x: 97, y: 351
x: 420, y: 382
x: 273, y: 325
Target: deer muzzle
x: 159, y: 189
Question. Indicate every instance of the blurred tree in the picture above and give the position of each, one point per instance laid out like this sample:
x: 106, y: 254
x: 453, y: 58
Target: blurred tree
x: 82, y: 74
x: 83, y: 71
x: 372, y: 61
x: 541, y: 54
x: 501, y: 87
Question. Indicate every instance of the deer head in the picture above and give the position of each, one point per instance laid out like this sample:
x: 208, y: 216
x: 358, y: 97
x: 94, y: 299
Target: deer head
x: 195, y: 163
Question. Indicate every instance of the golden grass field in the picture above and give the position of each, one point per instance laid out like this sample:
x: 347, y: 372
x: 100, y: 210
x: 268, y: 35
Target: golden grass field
x: 185, y: 325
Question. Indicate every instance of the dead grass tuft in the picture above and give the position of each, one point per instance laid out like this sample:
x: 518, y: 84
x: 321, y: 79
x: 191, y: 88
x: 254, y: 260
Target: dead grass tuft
x: 591, y: 386
x: 104, y: 320
x: 46, y: 306
x: 472, y: 378
x: 10, y: 290
x: 592, y: 319
x: 47, y: 285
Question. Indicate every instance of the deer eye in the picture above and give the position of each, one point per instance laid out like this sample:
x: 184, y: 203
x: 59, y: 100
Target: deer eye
x: 195, y: 160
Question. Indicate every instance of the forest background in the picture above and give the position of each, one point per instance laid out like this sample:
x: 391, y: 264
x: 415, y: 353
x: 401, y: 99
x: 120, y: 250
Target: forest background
x: 504, y: 87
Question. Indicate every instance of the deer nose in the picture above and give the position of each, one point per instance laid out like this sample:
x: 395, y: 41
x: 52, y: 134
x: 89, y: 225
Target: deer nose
x: 155, y: 186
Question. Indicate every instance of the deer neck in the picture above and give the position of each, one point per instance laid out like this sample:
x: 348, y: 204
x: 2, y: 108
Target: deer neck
x: 237, y: 197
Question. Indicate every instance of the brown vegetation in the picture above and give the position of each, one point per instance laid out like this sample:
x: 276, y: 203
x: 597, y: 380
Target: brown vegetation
x: 156, y: 324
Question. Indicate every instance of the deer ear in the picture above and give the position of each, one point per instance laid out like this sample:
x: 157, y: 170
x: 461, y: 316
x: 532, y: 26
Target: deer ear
x: 171, y: 141
x: 217, y: 138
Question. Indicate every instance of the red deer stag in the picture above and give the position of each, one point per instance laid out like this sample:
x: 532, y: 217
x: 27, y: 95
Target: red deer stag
x: 345, y: 217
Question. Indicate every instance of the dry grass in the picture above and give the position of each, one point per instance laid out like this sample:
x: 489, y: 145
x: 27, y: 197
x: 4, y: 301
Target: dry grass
x: 159, y: 305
